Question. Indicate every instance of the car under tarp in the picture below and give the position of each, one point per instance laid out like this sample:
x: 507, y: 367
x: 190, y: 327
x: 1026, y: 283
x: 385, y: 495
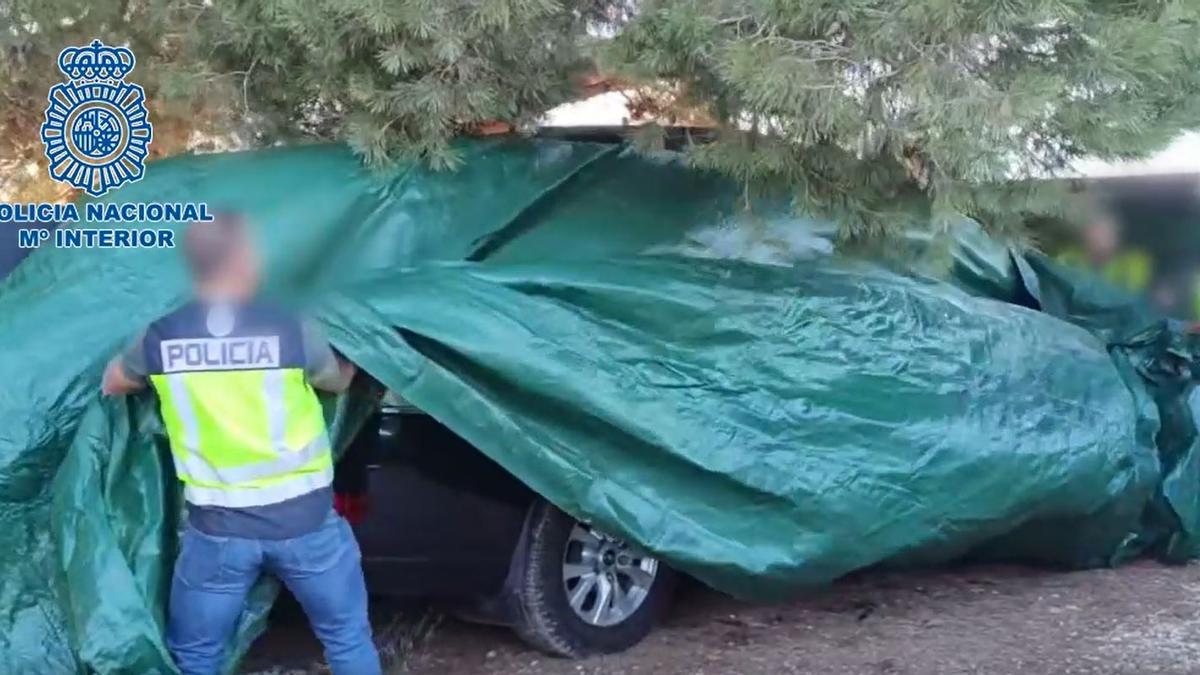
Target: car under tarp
x: 629, y: 340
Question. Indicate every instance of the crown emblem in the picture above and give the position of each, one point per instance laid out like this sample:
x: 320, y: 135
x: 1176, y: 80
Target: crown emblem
x: 95, y: 62
x: 97, y: 131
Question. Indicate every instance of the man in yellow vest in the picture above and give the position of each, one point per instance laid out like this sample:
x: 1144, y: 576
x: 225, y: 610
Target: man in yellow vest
x: 1102, y: 252
x: 234, y: 377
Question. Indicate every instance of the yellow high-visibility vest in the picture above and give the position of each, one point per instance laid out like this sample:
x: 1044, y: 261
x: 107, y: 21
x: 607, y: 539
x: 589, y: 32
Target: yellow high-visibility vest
x: 1130, y: 270
x: 245, y: 427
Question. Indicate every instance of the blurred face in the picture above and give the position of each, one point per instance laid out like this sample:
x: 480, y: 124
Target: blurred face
x: 236, y: 274
x: 242, y: 271
x: 1101, y: 239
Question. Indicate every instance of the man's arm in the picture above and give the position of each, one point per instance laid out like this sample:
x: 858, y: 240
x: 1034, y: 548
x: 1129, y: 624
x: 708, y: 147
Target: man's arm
x: 325, y: 370
x: 340, y: 382
x: 126, y: 372
x: 116, y: 382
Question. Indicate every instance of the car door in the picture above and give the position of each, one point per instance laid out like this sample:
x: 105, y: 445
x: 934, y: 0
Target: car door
x: 440, y: 518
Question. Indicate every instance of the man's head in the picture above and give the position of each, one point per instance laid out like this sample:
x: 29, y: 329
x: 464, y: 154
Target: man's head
x: 221, y: 257
x: 1101, y: 238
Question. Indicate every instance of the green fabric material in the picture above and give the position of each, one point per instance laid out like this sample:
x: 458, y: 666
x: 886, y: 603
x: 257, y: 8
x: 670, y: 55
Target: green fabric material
x: 764, y: 427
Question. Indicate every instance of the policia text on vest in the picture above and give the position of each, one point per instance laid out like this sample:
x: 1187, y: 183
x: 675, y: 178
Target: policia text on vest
x: 199, y: 354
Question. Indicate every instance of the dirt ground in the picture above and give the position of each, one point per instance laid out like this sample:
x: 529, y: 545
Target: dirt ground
x: 1143, y: 618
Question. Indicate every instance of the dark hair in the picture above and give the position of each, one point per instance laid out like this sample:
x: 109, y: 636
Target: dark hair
x: 206, y: 245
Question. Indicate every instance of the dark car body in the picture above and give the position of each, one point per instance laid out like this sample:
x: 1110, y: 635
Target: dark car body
x: 440, y: 520
x: 437, y: 519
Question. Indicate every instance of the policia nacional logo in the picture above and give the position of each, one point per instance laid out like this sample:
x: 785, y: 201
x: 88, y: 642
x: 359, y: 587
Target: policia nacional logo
x: 97, y: 130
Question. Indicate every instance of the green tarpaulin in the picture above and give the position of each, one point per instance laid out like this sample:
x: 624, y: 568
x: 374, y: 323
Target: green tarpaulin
x: 613, y: 330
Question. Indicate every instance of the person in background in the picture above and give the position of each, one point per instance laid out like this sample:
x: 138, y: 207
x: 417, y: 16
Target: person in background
x: 1102, y: 250
x: 1174, y: 292
x: 234, y: 376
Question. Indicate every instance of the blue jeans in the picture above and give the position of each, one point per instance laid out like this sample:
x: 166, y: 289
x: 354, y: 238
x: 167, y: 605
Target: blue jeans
x: 322, y: 569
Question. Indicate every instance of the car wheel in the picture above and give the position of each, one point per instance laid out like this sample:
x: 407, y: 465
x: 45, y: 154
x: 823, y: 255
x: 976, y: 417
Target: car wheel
x: 584, y: 592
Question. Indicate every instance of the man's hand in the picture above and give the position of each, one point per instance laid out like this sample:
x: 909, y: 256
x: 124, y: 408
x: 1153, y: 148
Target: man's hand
x: 346, y: 372
x: 116, y: 382
x: 335, y: 374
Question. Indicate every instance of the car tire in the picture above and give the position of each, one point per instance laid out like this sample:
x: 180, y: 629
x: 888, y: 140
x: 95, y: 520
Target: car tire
x: 550, y: 623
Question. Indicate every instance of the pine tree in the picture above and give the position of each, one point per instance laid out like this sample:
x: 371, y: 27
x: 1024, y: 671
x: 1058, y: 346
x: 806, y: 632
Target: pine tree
x: 401, y: 78
x: 32, y: 32
x: 396, y: 78
x: 873, y: 112
x: 868, y: 109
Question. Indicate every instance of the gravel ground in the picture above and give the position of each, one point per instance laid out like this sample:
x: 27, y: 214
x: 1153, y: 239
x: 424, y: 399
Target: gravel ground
x: 1142, y: 618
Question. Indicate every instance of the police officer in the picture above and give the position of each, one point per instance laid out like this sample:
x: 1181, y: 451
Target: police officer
x: 1103, y: 252
x: 234, y: 377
